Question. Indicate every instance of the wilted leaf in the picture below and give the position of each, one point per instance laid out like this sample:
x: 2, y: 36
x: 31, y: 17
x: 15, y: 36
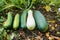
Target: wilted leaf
x: 52, y: 28
x: 47, y: 7
x: 53, y: 21
x: 47, y: 34
x: 58, y: 32
x: 51, y: 38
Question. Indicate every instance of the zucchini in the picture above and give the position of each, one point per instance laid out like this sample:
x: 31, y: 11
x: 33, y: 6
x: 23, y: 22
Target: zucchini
x: 16, y: 22
x: 30, y: 21
x: 41, y: 22
x: 9, y: 20
x: 24, y: 19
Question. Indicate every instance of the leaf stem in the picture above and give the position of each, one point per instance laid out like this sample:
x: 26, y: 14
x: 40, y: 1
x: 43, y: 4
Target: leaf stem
x: 31, y: 4
x: 6, y: 7
x: 10, y: 6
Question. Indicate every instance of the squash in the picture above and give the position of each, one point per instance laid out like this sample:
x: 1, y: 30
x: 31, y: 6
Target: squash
x: 9, y: 20
x: 24, y: 19
x: 41, y: 22
x: 30, y: 21
x: 16, y: 22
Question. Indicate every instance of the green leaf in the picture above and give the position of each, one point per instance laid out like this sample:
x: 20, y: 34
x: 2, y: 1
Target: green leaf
x: 1, y: 2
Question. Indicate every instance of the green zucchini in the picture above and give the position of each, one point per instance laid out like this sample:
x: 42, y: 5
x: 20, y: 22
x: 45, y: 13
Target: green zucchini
x: 9, y: 20
x: 24, y: 19
x: 16, y: 22
x: 41, y: 22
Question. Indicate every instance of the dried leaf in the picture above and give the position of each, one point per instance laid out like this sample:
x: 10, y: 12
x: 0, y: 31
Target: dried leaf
x: 58, y: 32
x: 51, y: 38
x: 47, y: 34
x: 47, y: 7
x: 52, y: 28
x: 53, y: 21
